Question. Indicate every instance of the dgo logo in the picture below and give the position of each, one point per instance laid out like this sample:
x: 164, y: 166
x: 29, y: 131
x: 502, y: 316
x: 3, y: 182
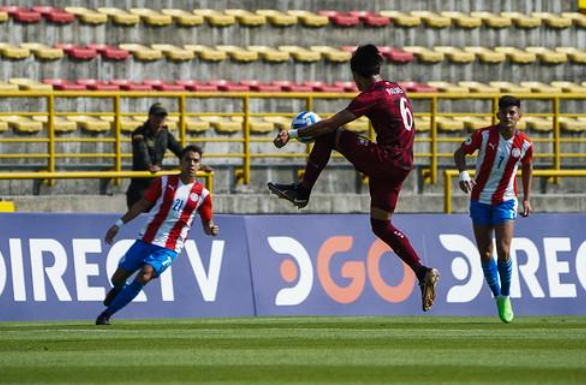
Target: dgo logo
x: 300, y: 271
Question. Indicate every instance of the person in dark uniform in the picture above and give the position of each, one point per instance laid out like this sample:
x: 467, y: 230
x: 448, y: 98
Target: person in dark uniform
x: 149, y: 144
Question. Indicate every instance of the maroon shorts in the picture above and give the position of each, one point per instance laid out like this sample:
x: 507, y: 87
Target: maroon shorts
x: 383, y: 166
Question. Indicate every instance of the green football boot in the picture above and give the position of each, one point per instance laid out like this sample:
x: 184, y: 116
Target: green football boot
x: 505, y: 309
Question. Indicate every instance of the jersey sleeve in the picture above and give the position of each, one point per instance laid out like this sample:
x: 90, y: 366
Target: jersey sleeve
x: 528, y: 155
x: 360, y: 105
x: 472, y: 143
x: 205, y: 209
x: 154, y: 191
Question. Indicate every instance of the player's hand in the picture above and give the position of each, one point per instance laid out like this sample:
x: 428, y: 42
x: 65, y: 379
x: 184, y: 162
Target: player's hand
x: 214, y: 230
x: 526, y: 209
x: 154, y: 168
x: 112, y: 231
x: 282, y: 139
x: 466, y: 183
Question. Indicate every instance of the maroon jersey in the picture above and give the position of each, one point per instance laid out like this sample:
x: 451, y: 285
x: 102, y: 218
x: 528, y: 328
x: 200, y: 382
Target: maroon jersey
x: 391, y: 115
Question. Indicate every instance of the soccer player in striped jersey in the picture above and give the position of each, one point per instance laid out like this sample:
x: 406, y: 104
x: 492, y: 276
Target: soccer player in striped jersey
x: 174, y: 200
x: 493, y: 207
x: 387, y: 162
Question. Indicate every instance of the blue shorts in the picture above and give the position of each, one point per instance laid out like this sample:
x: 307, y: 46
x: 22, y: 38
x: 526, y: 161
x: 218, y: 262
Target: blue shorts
x: 142, y: 253
x: 490, y: 215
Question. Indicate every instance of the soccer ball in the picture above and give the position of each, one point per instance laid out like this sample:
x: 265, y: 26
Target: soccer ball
x: 302, y: 120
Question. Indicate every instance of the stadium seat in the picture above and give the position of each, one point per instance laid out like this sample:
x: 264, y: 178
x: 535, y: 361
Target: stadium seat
x: 310, y: 19
x: 417, y: 87
x: 473, y: 123
x: 448, y: 87
x: 14, y: 53
x: 523, y: 21
x: 21, y: 14
x: 207, y: 53
x: 60, y: 124
x: 161, y: 85
x: 238, y: 54
x: 542, y: 88
x: 422, y: 123
x: 570, y: 87
x: 43, y: 52
x: 280, y: 122
x: 479, y: 87
x: 4, y: 86
x: 548, y: 56
x: 223, y: 125
x: 256, y: 86
x: 396, y: 55
x: 64, y: 85
x: 184, y: 18
x: 228, y: 86
x: 98, y: 85
x: 196, y: 126
x: 301, y: 54
x: 573, y: 125
x: 90, y: 124
x: 347, y: 86
x: 360, y: 125
x: 517, y: 56
x: 136, y: 86
x: 445, y: 124
x: 322, y: 87
x: 371, y: 19
x: 456, y: 55
x: 425, y: 55
x: 3, y: 19
x: 432, y: 19
x: 3, y: 126
x: 486, y: 55
x: 575, y: 55
x: 247, y: 18
x: 216, y: 18
x: 142, y: 53
x: 110, y: 53
x: 493, y: 20
x: 127, y: 124
x: 270, y: 54
x: 332, y: 54
x: 22, y: 125
x: 509, y: 87
x: 340, y: 19
x: 257, y: 125
x: 289, y: 86
x: 553, y: 20
x: 278, y: 18
x: 174, y: 53
x: 152, y: 18
x: 77, y: 52
x: 195, y: 86
x: 538, y: 124
x: 25, y: 84
x: 88, y: 16
x: 402, y: 19
x: 463, y: 20
x: 578, y: 19
x: 120, y: 16
x: 55, y: 15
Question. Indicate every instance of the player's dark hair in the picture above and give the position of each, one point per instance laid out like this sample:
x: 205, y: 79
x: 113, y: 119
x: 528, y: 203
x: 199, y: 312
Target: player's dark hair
x: 506, y: 101
x: 366, y: 61
x: 191, y: 148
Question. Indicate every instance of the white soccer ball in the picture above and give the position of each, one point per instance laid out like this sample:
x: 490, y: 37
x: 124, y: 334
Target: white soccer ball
x: 302, y: 120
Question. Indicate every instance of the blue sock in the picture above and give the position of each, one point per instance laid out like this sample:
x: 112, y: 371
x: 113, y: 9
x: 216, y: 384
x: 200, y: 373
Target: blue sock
x: 491, y: 276
x: 505, y: 272
x: 125, y: 297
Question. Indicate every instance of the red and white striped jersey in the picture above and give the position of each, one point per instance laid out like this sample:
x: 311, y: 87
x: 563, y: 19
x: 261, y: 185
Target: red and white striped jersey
x: 175, y: 205
x: 497, y: 163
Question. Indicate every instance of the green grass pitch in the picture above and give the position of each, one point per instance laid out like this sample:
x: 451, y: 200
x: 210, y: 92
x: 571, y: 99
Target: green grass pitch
x: 297, y: 350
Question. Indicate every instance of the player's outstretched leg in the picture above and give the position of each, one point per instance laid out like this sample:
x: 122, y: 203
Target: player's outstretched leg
x: 125, y: 296
x: 292, y: 192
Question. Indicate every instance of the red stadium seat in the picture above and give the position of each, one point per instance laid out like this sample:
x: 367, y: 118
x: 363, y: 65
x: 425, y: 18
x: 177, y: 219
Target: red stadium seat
x: 396, y: 55
x: 257, y: 86
x: 160, y: 85
x: 195, y: 86
x: 22, y: 15
x: 341, y: 19
x: 289, y: 86
x: 416, y: 87
x: 371, y: 19
x: 323, y: 87
x: 64, y: 85
x: 55, y: 15
x: 134, y: 86
x: 98, y: 85
x: 77, y: 52
x: 109, y: 52
x: 225, y: 85
x: 347, y: 86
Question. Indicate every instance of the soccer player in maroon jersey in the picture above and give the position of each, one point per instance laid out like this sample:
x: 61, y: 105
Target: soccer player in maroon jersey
x: 493, y: 205
x: 386, y: 162
x: 174, y: 200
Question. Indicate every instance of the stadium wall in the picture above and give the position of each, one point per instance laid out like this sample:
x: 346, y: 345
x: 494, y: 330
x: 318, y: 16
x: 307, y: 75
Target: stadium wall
x: 57, y: 267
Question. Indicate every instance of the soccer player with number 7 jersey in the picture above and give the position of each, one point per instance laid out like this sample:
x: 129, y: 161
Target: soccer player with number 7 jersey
x: 493, y: 207
x: 386, y: 162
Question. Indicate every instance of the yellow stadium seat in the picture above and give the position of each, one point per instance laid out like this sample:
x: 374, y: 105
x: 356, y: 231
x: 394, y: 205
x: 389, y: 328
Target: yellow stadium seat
x: 207, y: 53
x: 445, y: 124
x: 402, y: 19
x: 493, y: 20
x: 120, y: 16
x: 238, y: 53
x: 3, y: 126
x: 517, y: 56
x: 310, y: 19
x: 570, y: 87
x: 14, y: 53
x: 270, y: 54
x: 7, y: 206
x: 30, y: 85
x: 432, y: 19
x: 553, y: 20
x: 257, y: 124
x: 152, y: 17
x: 90, y: 124
x: 463, y: 20
x: 573, y: 125
x: 247, y: 18
x: 578, y: 19
x: 487, y: 55
x: 4, y: 17
x: 223, y: 125
x: 448, y: 87
x: 456, y: 55
x: 542, y: 88
x: 425, y: 54
x: 174, y: 53
x: 60, y: 124
x: 88, y: 16
x: 332, y: 54
x: 509, y: 87
x: 184, y: 18
x: 473, y: 123
x: 574, y: 54
x: 142, y: 53
x: 196, y: 126
x: 548, y: 56
x: 127, y: 124
x: 278, y: 18
x: 43, y: 52
x: 360, y: 125
x: 422, y: 123
x: 479, y: 87
x: 216, y: 18
x: 301, y: 54
x: 22, y: 125
x: 4, y: 86
x: 538, y: 124
x: 280, y: 122
x: 523, y: 21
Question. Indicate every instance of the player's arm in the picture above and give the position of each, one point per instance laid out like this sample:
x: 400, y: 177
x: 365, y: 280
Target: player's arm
x: 316, y: 130
x: 527, y: 178
x: 466, y: 183
x: 207, y: 219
